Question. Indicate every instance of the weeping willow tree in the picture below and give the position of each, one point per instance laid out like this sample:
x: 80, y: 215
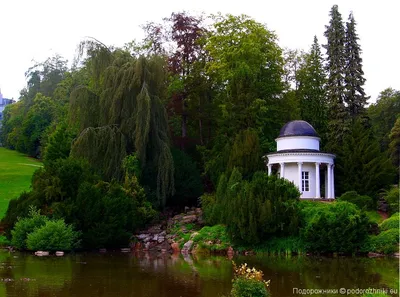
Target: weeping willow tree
x: 104, y: 148
x: 121, y: 112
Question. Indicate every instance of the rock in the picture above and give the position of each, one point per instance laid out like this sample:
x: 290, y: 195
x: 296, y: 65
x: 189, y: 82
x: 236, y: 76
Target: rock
x: 146, y: 246
x: 147, y: 239
x: 175, y: 247
x: 155, y: 237
x: 125, y: 250
x: 230, y: 250
x: 59, y: 253
x: 194, y: 234
x: 397, y: 255
x: 142, y: 236
x: 190, y: 213
x: 189, y: 219
x: 102, y: 250
x: 187, y: 246
x: 375, y: 255
x: 199, y: 211
x: 161, y: 239
x: 163, y: 233
x: 41, y: 253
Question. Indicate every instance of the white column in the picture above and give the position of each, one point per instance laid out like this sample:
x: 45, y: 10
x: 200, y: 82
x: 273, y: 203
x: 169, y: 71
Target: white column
x: 329, y: 169
x: 333, y: 182
x: 326, y: 181
x: 317, y: 182
x: 282, y: 170
x: 299, y: 166
x: 269, y: 169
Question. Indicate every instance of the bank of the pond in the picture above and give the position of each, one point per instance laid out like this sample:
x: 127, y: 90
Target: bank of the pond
x: 185, y: 233
x: 16, y: 171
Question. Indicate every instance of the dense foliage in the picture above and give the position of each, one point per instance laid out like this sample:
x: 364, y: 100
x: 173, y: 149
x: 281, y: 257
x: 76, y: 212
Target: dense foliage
x: 253, y: 210
x: 37, y: 232
x: 126, y: 132
x: 53, y: 236
x: 362, y: 201
x: 335, y: 227
x: 387, y: 241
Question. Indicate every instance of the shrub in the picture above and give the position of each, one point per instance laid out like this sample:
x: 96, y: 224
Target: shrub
x: 362, y: 201
x: 391, y: 223
x: 254, y: 210
x: 385, y: 242
x: 25, y: 226
x: 248, y: 288
x: 336, y: 227
x: 248, y: 282
x: 392, y: 197
x: 53, y: 236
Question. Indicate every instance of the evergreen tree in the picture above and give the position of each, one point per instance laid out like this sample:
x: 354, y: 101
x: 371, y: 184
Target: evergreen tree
x: 394, y: 145
x: 383, y: 114
x: 312, y: 78
x: 355, y: 97
x: 335, y: 66
x: 361, y: 166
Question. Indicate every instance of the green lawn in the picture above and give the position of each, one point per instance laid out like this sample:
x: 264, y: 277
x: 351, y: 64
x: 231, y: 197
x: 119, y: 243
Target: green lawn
x: 16, y: 172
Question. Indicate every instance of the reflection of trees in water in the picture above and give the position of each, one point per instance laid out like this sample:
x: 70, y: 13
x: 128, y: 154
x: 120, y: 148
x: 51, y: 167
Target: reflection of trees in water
x: 325, y: 273
x: 35, y: 276
x: 145, y: 275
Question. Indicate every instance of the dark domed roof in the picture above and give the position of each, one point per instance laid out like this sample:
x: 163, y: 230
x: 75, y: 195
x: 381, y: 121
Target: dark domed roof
x: 297, y: 128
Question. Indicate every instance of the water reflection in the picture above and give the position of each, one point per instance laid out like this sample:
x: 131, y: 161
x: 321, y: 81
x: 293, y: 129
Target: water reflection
x: 144, y: 274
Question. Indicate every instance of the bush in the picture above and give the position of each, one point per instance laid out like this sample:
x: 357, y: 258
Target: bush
x: 25, y: 226
x: 391, y: 223
x: 248, y: 288
x: 254, y: 210
x: 335, y: 227
x: 385, y: 242
x: 361, y: 201
x: 53, y: 236
x: 392, y: 197
x: 248, y: 282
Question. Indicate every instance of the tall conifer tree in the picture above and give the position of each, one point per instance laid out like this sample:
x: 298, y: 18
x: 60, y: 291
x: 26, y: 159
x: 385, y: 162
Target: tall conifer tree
x: 311, y: 78
x: 335, y: 66
x: 355, y: 97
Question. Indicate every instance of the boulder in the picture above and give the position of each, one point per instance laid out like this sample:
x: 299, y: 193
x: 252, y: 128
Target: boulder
x: 142, y: 236
x: 187, y: 247
x: 189, y: 219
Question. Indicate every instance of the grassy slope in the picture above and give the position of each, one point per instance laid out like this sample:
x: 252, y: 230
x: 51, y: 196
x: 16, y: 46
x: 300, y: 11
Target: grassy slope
x: 16, y: 172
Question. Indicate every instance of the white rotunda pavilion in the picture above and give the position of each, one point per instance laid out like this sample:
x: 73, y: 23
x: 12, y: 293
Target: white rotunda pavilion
x: 299, y: 160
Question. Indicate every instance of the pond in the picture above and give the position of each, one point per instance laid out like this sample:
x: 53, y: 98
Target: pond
x: 116, y: 274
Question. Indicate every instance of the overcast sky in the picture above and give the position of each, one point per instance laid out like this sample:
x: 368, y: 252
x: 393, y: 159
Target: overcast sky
x: 34, y: 30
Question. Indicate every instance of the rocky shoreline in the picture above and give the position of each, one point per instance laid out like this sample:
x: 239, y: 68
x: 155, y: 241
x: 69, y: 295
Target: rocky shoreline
x: 177, y: 234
